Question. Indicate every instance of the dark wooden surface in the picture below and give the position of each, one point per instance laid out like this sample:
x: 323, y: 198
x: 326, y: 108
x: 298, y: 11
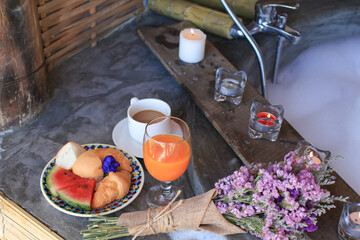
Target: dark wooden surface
x: 229, y: 120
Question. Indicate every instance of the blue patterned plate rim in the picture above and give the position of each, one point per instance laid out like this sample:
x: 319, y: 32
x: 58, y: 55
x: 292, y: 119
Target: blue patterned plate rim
x: 137, y: 183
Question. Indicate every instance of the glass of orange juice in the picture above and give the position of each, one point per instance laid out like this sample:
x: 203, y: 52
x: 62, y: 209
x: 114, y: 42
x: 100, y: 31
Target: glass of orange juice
x: 166, y: 153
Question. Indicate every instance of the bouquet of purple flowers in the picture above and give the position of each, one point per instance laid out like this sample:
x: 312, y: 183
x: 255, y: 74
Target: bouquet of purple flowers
x: 280, y: 201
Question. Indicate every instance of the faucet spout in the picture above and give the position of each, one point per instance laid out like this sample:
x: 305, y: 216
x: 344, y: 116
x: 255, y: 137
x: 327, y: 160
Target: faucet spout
x: 267, y: 20
x: 287, y: 32
x: 270, y: 21
x: 252, y: 42
x: 253, y: 28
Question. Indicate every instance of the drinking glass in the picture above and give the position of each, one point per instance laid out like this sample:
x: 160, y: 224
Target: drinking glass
x: 166, y: 153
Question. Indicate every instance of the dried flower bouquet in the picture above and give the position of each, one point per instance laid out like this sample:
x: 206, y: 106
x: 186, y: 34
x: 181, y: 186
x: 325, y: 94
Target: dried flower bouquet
x: 281, y: 201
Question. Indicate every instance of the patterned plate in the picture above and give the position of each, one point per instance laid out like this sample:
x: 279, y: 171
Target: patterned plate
x: 137, y: 182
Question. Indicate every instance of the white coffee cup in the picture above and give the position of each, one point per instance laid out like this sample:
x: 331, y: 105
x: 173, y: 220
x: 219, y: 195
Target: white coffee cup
x: 137, y: 128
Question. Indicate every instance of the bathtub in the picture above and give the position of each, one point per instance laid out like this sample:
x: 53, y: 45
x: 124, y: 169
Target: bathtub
x: 320, y: 92
x: 321, y: 23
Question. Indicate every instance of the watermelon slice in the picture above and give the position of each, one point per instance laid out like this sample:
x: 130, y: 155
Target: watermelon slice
x: 78, y: 195
x: 59, y: 178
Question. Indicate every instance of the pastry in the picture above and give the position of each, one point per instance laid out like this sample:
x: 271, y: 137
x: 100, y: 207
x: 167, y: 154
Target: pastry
x: 113, y: 186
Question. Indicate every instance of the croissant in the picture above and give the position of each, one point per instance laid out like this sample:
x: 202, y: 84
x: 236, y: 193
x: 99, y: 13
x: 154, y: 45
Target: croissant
x: 113, y: 186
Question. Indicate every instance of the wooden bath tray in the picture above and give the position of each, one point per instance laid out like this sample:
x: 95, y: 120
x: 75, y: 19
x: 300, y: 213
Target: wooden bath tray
x: 229, y: 120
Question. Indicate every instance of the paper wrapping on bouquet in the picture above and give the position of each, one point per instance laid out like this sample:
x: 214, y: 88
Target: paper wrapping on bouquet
x: 197, y: 213
x: 207, y: 19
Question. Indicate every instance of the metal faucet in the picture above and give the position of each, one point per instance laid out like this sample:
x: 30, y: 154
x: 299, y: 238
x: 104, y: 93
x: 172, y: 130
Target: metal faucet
x: 267, y: 20
x: 253, y: 43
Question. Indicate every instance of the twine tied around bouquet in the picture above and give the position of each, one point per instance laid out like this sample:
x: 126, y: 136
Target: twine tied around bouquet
x: 163, y: 220
x: 198, y: 213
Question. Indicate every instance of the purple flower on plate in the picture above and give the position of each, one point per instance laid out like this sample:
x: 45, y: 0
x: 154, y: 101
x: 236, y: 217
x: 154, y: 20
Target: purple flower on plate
x: 109, y: 164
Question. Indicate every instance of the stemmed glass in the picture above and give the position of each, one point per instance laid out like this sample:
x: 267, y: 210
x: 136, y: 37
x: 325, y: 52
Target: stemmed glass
x: 166, y: 153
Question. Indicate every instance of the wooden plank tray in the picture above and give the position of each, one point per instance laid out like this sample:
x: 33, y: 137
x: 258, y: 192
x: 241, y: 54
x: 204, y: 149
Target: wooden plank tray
x: 229, y: 120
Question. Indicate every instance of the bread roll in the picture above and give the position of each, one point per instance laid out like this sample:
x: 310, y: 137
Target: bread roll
x: 117, y: 155
x: 67, y: 155
x: 88, y: 165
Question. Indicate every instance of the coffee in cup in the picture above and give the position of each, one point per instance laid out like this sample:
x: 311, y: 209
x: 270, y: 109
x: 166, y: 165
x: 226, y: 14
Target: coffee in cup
x: 146, y: 116
x: 142, y: 111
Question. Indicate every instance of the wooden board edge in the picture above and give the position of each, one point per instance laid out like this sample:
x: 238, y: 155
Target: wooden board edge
x: 24, y: 220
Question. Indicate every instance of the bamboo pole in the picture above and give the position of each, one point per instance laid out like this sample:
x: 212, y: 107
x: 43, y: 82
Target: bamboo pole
x: 204, y: 18
x: 242, y: 8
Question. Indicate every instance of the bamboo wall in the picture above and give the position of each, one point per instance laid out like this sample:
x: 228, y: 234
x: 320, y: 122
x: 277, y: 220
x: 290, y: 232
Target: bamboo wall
x: 69, y: 26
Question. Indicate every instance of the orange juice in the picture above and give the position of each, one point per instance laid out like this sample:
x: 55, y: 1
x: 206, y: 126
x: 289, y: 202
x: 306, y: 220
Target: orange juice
x: 167, y: 157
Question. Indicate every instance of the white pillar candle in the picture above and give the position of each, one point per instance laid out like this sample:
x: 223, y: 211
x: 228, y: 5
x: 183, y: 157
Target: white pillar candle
x: 192, y: 45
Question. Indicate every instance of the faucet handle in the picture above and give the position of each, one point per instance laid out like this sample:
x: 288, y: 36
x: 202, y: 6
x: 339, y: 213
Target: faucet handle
x: 266, y: 10
x: 265, y: 4
x: 281, y: 20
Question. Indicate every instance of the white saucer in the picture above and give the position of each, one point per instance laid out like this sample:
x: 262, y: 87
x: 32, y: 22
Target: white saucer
x: 122, y: 139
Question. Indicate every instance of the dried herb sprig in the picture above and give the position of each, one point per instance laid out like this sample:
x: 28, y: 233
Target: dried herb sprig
x: 104, y: 228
